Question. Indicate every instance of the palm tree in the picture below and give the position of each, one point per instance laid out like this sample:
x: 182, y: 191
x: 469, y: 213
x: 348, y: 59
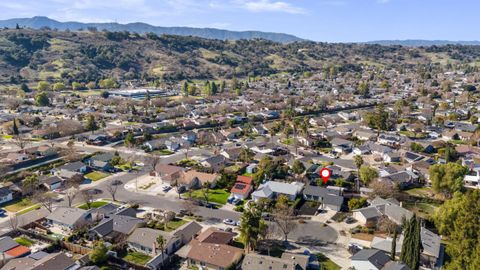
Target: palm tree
x: 161, y: 244
x: 358, y: 160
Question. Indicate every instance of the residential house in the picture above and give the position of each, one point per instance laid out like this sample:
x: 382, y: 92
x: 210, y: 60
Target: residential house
x: 69, y: 170
x: 231, y: 133
x: 272, y: 189
x: 251, y: 168
x: 232, y: 153
x: 6, y: 195
x: 168, y: 173
x: 260, y: 129
x: 216, y: 163
x: 389, y: 139
x: 211, y: 251
x: 328, y: 197
x: 11, y: 249
x: 288, y: 261
x: 374, y: 259
x: 193, y: 179
x: 52, y: 182
x: 42, y: 261
x: 189, y: 136
x: 116, y: 226
x: 144, y: 240
x: 341, y: 146
x: 69, y: 218
x: 411, y: 157
x: 155, y: 144
x: 365, y: 135
x: 242, y: 187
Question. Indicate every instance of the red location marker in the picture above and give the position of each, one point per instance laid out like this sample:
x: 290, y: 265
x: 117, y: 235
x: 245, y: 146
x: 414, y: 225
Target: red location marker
x: 325, y: 174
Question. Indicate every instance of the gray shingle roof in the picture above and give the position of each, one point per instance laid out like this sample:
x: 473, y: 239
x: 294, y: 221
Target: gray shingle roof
x: 374, y: 256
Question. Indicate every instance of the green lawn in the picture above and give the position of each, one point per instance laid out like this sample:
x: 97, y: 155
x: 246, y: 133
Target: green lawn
x: 31, y: 208
x: 96, y: 175
x: 26, y: 242
x: 137, y: 257
x: 8, y: 136
x: 95, y: 204
x: 219, y: 196
x: 326, y: 263
x: 423, y: 210
x: 424, y: 192
x: 163, y: 152
x: 174, y: 224
x: 17, y: 205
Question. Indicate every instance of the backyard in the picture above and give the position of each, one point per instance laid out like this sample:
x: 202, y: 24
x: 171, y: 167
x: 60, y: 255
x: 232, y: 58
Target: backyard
x: 219, y: 196
x: 326, y: 263
x: 174, y: 224
x: 96, y: 175
x: 137, y: 257
x: 24, y: 241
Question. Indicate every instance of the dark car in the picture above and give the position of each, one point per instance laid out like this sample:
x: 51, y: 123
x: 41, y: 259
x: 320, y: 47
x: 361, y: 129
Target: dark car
x: 2, y: 212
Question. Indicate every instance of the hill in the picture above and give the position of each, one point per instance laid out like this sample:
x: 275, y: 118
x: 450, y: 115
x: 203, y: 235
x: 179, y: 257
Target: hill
x: 39, y: 22
x: 422, y: 42
x: 28, y: 55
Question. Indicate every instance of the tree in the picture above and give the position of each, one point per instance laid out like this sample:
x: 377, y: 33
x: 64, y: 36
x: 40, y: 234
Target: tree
x: 298, y: 167
x: 41, y: 99
x: 205, y: 191
x: 91, y: 85
x: 251, y: 226
x: 161, y: 242
x: 130, y: 139
x: 13, y: 222
x: 46, y: 199
x: 43, y: 86
x: 112, y: 188
x: 21, y: 142
x: 24, y: 87
x: 416, y: 147
x: 58, y: 86
x: 87, y: 197
x: 213, y: 88
x: 457, y: 219
x: 447, y: 178
x: 185, y: 89
x: 30, y: 184
x: 383, y: 189
x: 192, y: 89
x: 367, y: 174
x: 105, y: 94
x: 284, y: 217
x: 358, y: 160
x: 77, y: 86
x: 384, y: 224
x: 99, y: 254
x: 70, y: 194
x: 356, y: 203
x: 363, y: 89
x: 393, y: 251
x: 108, y: 83
x: 412, y: 244
x: 91, y: 124
x: 246, y: 155
x: 15, y: 128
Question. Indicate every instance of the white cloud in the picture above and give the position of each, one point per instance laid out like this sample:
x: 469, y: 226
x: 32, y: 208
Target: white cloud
x: 269, y: 6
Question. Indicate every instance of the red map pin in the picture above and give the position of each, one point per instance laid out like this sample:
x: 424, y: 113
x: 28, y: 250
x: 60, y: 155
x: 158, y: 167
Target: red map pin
x: 325, y: 174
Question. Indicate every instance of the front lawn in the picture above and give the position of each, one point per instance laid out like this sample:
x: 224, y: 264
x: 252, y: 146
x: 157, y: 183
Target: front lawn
x: 163, y: 152
x: 26, y: 242
x: 96, y: 175
x: 17, y: 205
x: 326, y: 263
x: 219, y: 196
x: 31, y: 208
x: 137, y: 257
x: 174, y: 224
x: 93, y: 205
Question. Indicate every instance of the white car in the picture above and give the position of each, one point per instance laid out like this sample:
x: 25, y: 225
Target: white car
x: 230, y: 222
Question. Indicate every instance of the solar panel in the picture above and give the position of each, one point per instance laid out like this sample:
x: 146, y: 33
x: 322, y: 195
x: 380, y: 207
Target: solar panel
x: 240, y: 186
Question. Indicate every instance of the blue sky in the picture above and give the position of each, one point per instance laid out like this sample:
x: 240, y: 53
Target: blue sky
x: 319, y: 20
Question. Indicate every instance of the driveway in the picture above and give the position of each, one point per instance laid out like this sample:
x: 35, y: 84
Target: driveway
x: 313, y: 233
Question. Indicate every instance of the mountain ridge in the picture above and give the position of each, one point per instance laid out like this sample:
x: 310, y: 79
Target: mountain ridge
x: 38, y: 22
x: 422, y: 42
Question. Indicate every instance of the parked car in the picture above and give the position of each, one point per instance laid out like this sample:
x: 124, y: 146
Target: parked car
x: 229, y: 222
x: 185, y: 212
x: 2, y: 212
x: 350, y: 220
x: 166, y: 188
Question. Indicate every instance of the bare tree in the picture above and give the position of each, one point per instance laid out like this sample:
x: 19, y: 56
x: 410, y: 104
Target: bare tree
x: 21, y: 142
x: 71, y: 193
x: 46, y: 199
x: 384, y: 224
x: 87, y: 197
x: 112, y: 188
x: 205, y: 191
x: 189, y: 206
x: 152, y: 162
x: 284, y: 218
x: 13, y: 222
x: 383, y: 189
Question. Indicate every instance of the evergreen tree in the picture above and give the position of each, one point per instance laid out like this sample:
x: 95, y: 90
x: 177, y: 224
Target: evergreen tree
x: 234, y: 83
x: 15, y: 128
x: 214, y: 88
x: 223, y: 86
x: 394, y: 245
x: 185, y: 89
x: 91, y: 124
x: 207, y: 90
x: 412, y: 245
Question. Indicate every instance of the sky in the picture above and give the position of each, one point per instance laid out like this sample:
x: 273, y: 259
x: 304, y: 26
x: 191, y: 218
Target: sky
x: 318, y: 20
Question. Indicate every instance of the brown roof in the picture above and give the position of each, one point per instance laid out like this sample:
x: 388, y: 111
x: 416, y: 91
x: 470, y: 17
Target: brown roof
x: 215, y: 236
x: 214, y: 254
x: 202, y: 177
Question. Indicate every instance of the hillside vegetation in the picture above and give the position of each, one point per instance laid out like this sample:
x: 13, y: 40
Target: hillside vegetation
x: 28, y: 55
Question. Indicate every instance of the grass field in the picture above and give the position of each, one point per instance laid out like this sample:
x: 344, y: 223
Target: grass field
x: 31, y: 208
x: 96, y: 204
x: 174, y: 224
x: 26, y: 242
x: 18, y: 205
x: 137, y: 257
x: 95, y: 176
x: 219, y: 196
x: 424, y: 192
x: 326, y: 263
x: 163, y: 152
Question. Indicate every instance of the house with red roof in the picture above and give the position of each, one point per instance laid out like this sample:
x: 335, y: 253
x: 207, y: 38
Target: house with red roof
x: 12, y: 249
x: 242, y: 187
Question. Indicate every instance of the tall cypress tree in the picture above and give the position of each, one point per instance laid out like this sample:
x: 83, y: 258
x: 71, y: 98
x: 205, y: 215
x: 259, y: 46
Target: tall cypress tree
x: 394, y: 245
x: 412, y: 245
x: 15, y: 128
